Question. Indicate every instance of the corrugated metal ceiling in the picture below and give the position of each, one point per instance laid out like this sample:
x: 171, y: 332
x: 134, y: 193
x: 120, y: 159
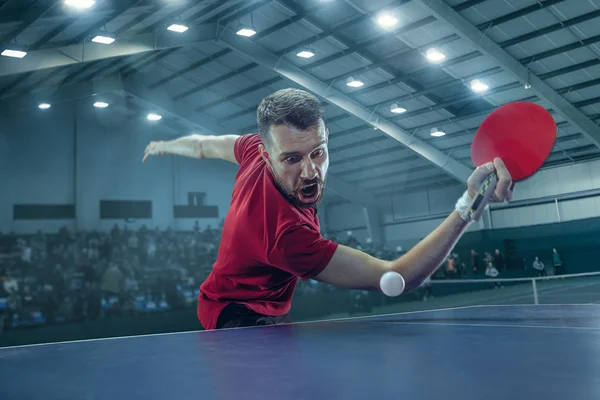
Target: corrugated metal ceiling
x: 555, y: 39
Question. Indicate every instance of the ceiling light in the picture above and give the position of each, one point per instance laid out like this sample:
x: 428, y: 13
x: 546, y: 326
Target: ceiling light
x: 103, y: 39
x: 478, y: 86
x: 178, y: 28
x: 527, y: 86
x: 154, y: 117
x: 387, y: 20
x: 246, y: 31
x: 434, y: 55
x: 306, y: 52
x: 44, y: 106
x: 14, y: 53
x: 80, y: 3
x: 354, y: 82
x: 100, y: 104
x: 435, y: 133
x: 396, y: 109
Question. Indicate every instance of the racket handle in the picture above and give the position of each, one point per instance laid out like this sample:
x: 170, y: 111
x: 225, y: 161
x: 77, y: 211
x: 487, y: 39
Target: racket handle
x: 482, y: 197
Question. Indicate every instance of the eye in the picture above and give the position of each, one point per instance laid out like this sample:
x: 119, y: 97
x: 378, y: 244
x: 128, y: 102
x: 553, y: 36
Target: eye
x: 292, y: 159
x: 318, y: 153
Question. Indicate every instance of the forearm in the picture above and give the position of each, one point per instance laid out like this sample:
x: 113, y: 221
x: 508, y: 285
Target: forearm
x: 187, y: 146
x: 353, y: 269
x: 425, y: 258
x: 197, y: 146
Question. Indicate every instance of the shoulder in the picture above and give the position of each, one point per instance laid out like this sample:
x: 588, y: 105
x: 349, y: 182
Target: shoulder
x: 246, y: 147
x: 300, y: 249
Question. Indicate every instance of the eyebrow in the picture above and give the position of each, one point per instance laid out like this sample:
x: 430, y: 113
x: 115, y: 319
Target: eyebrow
x: 293, y: 153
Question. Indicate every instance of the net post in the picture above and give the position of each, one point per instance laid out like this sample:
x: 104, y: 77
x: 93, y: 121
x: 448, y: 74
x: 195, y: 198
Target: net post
x: 535, y: 293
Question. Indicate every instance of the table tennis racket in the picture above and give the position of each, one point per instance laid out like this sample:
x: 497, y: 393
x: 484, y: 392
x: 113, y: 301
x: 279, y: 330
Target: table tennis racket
x: 522, y: 134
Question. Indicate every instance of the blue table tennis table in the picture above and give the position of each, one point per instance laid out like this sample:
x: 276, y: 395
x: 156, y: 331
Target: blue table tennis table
x: 479, y: 352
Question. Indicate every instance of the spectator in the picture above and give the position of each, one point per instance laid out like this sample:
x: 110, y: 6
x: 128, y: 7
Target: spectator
x: 57, y: 281
x: 499, y: 261
x: 351, y: 241
x: 426, y: 289
x: 557, y: 262
x: 539, y: 267
x: 460, y: 266
x: 26, y: 251
x: 93, y: 300
x: 172, y: 295
x: 65, y: 312
x: 491, y: 272
x: 369, y: 247
x: 133, y: 241
x: 451, y: 270
x: 11, y: 285
x: 50, y: 303
x: 474, y: 262
x: 487, y: 258
x: 113, y: 281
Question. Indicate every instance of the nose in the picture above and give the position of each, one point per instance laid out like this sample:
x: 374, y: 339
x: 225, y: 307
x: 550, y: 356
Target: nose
x: 309, y: 170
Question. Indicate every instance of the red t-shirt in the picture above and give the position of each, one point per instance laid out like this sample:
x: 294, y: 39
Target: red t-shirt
x: 266, y: 244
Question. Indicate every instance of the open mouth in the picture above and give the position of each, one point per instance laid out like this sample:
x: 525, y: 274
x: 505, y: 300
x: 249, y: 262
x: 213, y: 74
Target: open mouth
x: 309, y: 193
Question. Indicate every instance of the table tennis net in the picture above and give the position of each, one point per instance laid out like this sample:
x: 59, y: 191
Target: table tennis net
x: 581, y: 288
x: 315, y: 301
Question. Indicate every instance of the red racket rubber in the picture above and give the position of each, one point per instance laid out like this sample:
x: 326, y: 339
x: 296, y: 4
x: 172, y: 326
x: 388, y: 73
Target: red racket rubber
x: 522, y: 135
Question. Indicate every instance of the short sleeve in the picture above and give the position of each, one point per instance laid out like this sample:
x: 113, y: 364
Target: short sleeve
x: 246, y: 146
x: 301, y: 251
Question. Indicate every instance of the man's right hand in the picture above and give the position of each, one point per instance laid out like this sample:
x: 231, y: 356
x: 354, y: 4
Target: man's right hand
x: 505, y: 186
x: 153, y: 149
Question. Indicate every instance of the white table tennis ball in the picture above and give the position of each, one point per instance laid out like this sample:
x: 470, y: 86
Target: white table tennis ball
x: 392, y: 284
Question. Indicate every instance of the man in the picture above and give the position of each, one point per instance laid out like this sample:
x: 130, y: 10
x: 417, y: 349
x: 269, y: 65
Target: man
x: 271, y: 236
x: 557, y: 262
x: 539, y: 267
x: 499, y: 261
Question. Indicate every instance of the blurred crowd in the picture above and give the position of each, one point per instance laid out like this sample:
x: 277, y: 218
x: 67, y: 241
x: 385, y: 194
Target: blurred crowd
x: 77, y: 276
x: 67, y: 276
x: 492, y: 264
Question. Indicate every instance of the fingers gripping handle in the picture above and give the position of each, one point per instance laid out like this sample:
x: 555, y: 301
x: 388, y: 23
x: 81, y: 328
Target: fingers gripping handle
x: 470, y: 209
x: 482, y: 198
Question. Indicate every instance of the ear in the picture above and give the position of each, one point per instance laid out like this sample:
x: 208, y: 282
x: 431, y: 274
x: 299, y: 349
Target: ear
x: 263, y: 153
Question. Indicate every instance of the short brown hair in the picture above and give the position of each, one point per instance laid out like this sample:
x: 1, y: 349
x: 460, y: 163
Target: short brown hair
x: 292, y: 107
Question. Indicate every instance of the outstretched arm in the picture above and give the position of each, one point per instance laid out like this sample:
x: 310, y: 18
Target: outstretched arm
x: 196, y: 146
x: 353, y: 269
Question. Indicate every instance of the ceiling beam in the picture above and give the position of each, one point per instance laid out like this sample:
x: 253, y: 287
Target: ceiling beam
x: 210, y: 125
x: 487, y: 46
x: 85, y: 52
x: 206, y: 124
x: 108, y: 85
x: 26, y: 19
x: 263, y: 57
